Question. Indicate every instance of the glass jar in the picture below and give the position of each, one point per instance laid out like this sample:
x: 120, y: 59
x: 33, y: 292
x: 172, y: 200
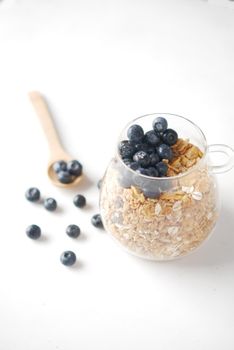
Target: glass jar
x: 168, y: 217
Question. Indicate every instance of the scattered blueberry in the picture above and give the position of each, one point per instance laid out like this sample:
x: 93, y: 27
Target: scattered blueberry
x: 170, y: 137
x: 159, y: 124
x: 50, y: 204
x: 154, y: 159
x: 33, y: 231
x: 135, y: 133
x: 162, y: 168
x: 65, y: 177
x: 32, y: 194
x: 152, y: 138
x: 142, y: 158
x: 96, y: 220
x: 73, y: 231
x: 126, y: 149
x: 59, y: 166
x: 74, y: 167
x: 79, y: 201
x: 165, y: 152
x: 68, y: 258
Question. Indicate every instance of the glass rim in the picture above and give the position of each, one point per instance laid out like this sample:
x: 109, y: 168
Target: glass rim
x: 163, y: 178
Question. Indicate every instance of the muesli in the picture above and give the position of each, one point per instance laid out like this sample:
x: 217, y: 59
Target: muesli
x: 173, y: 223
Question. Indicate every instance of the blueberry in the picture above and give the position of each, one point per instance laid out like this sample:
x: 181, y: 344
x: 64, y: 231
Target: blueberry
x: 32, y: 194
x: 74, y: 167
x: 142, y: 158
x: 142, y: 171
x: 79, y: 201
x: 152, y: 138
x: 125, y: 180
x: 126, y: 149
x: 162, y: 168
x: 165, y: 152
x: 68, y: 258
x: 96, y: 220
x: 170, y: 137
x: 160, y: 124
x: 154, y: 159
x: 134, y: 166
x: 151, y: 193
x: 152, y: 172
x: 144, y: 147
x: 65, y: 177
x: 127, y: 161
x: 150, y: 149
x: 73, y: 231
x: 99, y: 184
x: 50, y: 204
x: 59, y: 166
x: 135, y: 133
x: 33, y: 231
x: 141, y: 147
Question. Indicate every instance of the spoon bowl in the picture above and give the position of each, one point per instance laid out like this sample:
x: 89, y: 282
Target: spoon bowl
x: 56, y: 149
x: 53, y: 176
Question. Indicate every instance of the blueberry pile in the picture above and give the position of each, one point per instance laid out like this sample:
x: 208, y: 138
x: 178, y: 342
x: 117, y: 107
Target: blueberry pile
x: 67, y: 172
x: 148, y: 153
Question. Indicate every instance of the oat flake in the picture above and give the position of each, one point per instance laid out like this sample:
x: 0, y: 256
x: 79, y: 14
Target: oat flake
x: 173, y: 230
x: 187, y: 189
x: 158, y: 209
x: 197, y: 196
x: 209, y: 215
x: 177, y: 205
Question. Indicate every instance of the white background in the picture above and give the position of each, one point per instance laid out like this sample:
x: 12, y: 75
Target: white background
x: 100, y: 64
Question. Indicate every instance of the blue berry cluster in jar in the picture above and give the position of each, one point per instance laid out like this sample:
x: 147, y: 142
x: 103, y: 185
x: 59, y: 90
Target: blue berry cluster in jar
x: 67, y: 172
x: 148, y: 153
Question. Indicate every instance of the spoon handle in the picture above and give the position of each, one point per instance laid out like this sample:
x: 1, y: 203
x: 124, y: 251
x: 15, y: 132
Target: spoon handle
x: 47, y: 124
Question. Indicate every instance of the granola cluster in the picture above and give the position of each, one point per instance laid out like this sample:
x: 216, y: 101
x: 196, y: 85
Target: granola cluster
x: 171, y: 225
x: 186, y: 155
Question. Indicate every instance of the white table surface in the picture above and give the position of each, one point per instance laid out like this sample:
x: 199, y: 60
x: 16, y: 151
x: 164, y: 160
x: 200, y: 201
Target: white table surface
x: 102, y: 63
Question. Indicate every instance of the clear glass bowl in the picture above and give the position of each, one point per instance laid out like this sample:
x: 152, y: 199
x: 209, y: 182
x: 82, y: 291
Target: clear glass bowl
x: 163, y: 218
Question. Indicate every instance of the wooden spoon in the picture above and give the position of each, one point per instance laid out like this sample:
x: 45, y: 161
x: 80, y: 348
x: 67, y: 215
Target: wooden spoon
x: 56, y: 150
